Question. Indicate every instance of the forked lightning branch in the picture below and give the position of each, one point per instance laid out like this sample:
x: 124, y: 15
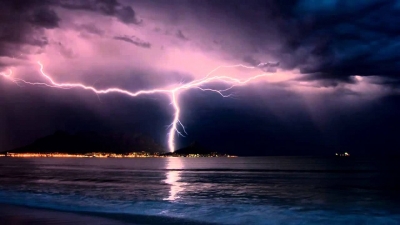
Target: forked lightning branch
x: 176, y: 127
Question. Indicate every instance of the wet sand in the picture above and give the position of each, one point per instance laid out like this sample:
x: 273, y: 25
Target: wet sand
x: 22, y: 215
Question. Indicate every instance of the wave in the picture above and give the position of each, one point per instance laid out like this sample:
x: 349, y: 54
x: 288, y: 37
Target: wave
x: 166, y: 212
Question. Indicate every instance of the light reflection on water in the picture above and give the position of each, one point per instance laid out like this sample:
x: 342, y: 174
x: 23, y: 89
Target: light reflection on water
x: 174, y: 165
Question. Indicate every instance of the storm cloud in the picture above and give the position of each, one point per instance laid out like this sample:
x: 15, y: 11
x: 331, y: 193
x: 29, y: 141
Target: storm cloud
x: 23, y: 23
x: 331, y: 71
x: 107, y: 7
x: 326, y: 39
x: 133, y: 40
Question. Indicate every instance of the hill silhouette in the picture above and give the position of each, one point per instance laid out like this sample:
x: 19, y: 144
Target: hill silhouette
x: 194, y: 148
x: 79, y: 143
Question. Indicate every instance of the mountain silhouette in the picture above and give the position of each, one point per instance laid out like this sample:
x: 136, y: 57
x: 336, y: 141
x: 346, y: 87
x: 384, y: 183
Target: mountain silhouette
x: 193, y: 148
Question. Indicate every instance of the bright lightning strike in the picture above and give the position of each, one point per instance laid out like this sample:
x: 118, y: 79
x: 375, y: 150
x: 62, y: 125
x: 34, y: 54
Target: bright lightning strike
x: 176, y: 127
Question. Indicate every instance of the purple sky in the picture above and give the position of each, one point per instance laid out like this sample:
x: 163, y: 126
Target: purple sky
x: 338, y: 68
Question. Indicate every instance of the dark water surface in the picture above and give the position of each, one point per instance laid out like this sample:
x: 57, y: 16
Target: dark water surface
x: 265, y: 190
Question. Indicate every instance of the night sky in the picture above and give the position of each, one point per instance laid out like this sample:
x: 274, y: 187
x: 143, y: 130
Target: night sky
x: 336, y: 87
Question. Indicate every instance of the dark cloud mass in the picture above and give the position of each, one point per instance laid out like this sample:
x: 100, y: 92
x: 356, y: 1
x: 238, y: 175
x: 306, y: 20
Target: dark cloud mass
x: 265, y: 66
x: 22, y: 23
x: 328, y: 39
x: 91, y: 28
x: 44, y: 17
x: 252, y: 61
x: 349, y: 39
x: 133, y: 40
x: 180, y: 35
x: 345, y: 39
x: 107, y: 7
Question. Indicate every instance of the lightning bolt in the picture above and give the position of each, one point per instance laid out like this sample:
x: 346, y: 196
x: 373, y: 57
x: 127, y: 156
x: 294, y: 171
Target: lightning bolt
x: 176, y: 127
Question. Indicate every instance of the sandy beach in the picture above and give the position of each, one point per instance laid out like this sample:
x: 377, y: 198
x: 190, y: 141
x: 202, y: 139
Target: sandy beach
x: 22, y: 215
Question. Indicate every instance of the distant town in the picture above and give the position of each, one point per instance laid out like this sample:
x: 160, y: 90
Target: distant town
x: 342, y: 154
x: 111, y: 155
x: 93, y: 145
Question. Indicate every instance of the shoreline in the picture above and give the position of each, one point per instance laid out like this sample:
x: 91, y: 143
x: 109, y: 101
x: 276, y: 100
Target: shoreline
x: 15, y: 214
x: 112, y: 155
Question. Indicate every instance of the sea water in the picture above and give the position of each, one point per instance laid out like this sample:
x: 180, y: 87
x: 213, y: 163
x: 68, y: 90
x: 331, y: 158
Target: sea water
x: 243, y: 190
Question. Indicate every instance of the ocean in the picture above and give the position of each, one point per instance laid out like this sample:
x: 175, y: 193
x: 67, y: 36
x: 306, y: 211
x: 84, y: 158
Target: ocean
x: 243, y: 190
